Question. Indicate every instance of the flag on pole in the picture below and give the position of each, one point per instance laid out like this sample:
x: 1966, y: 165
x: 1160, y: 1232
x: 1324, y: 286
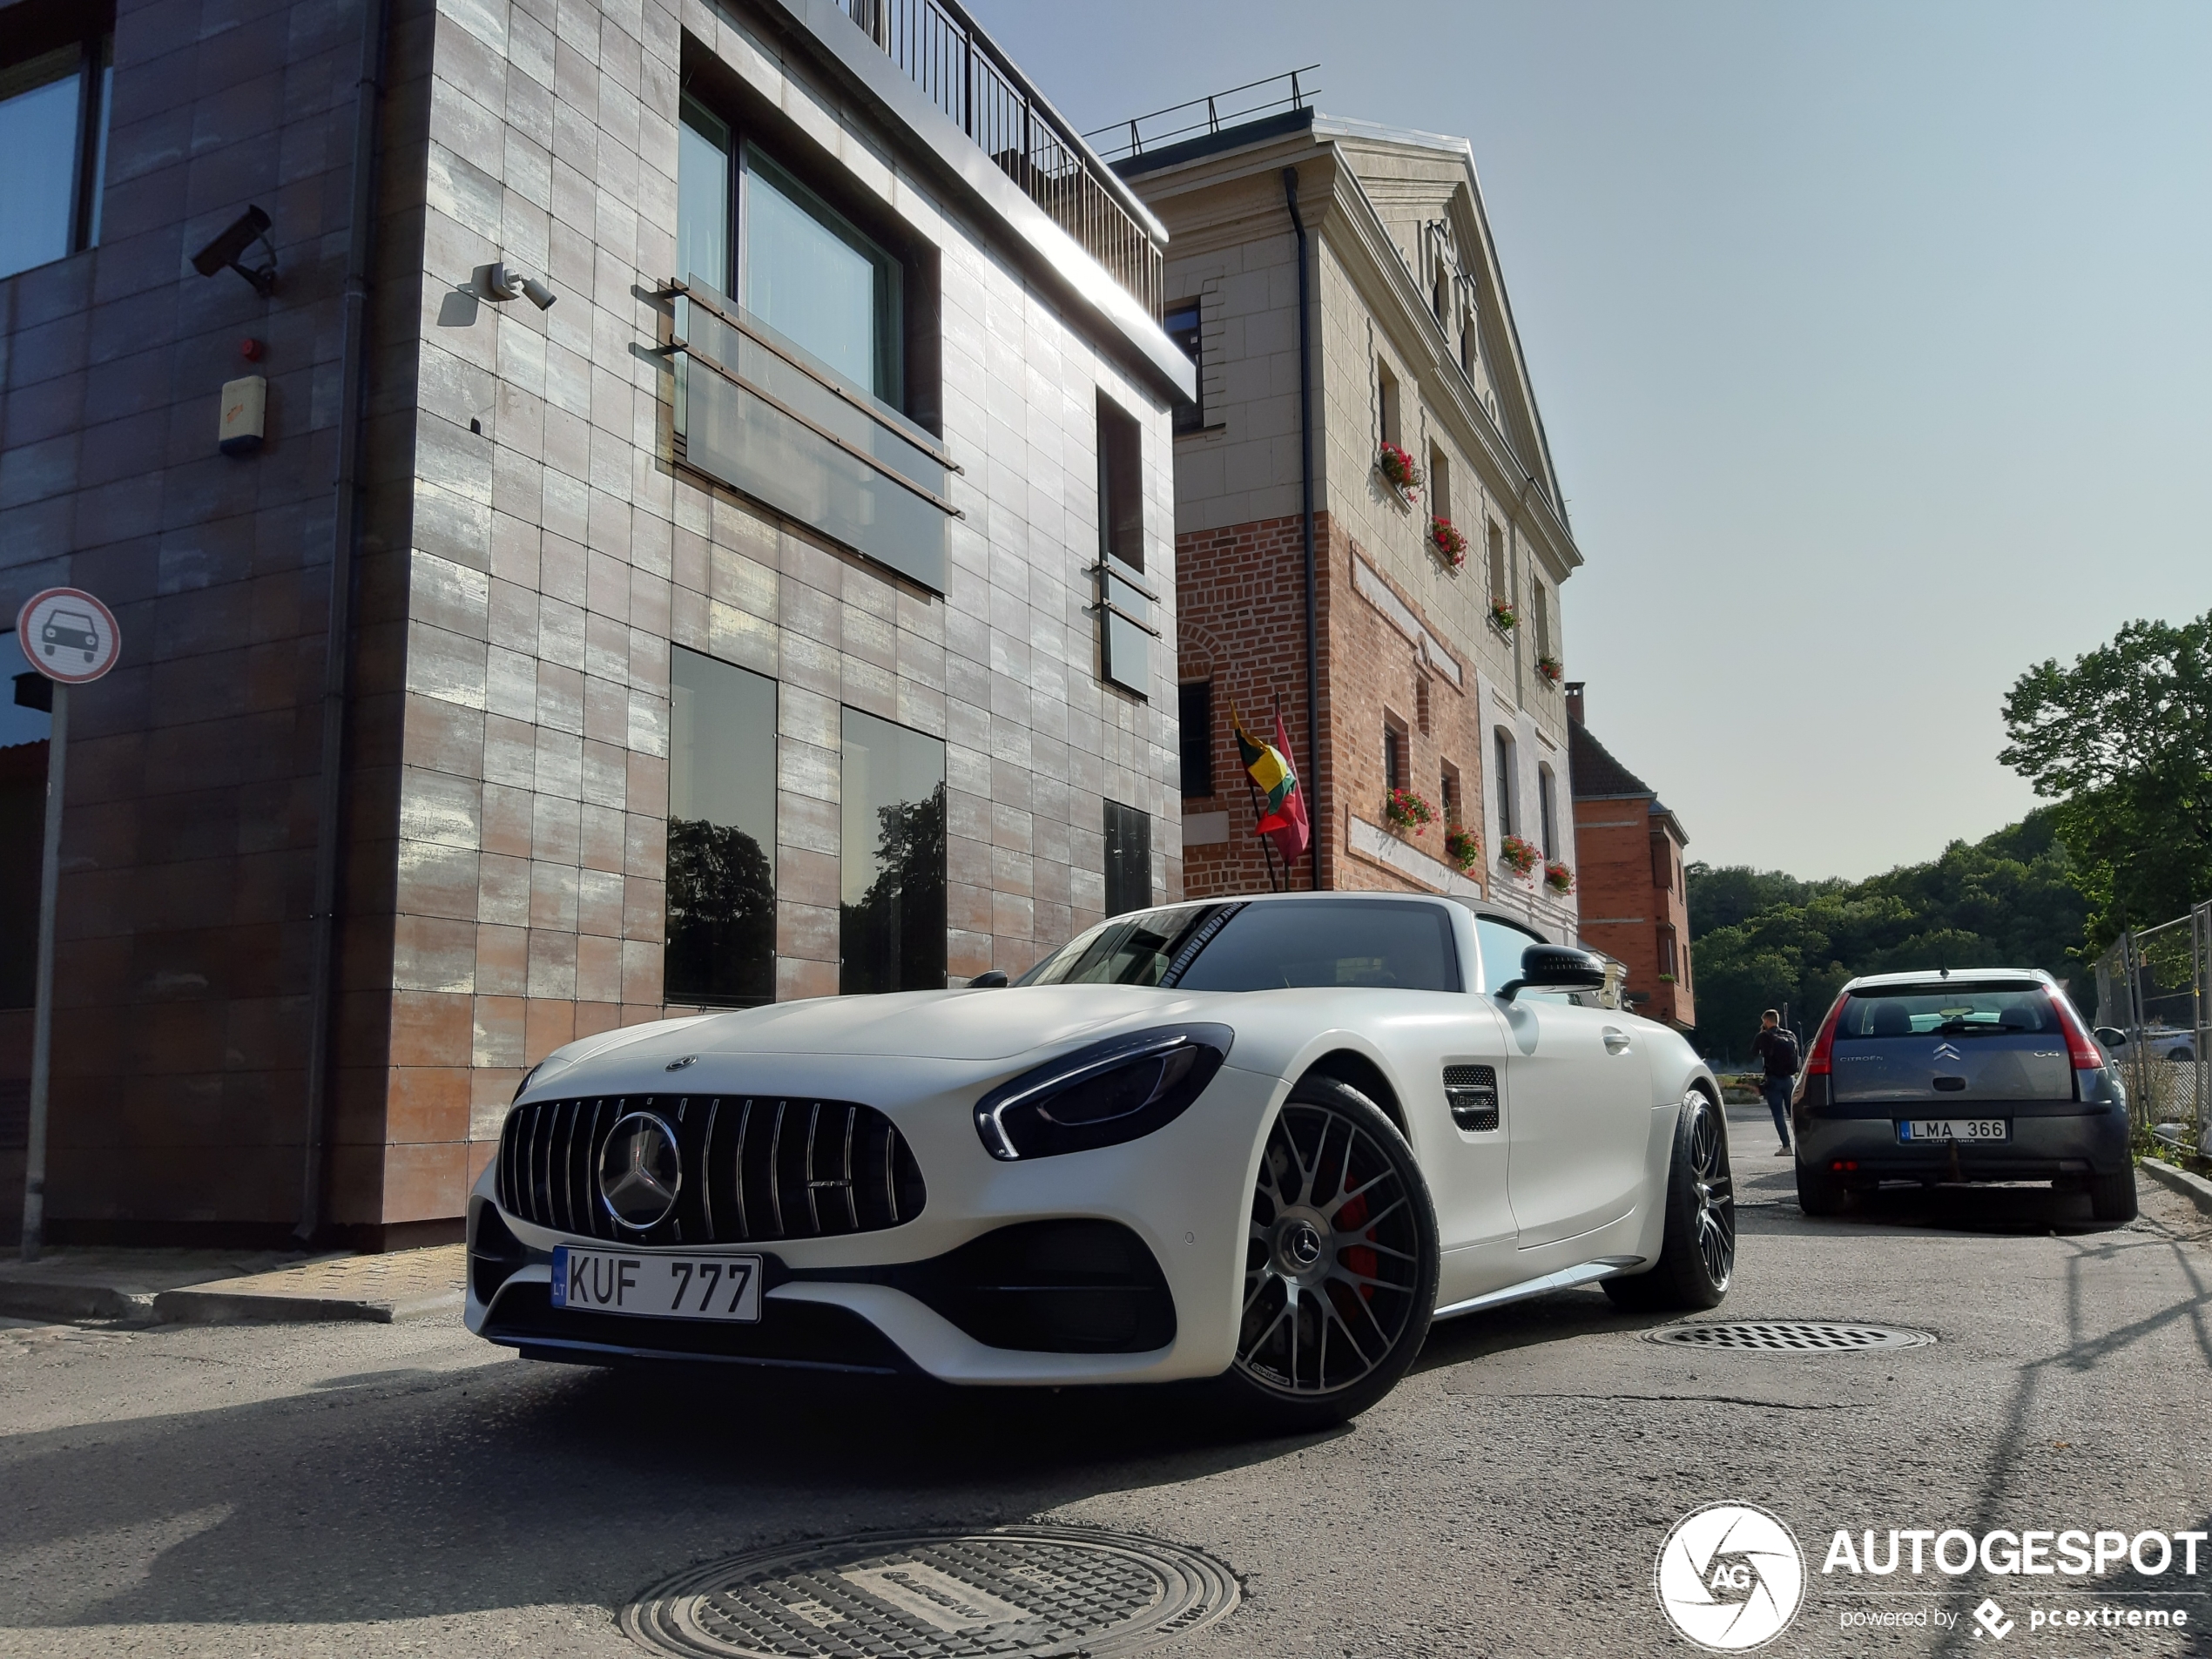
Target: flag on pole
x: 1283, y: 815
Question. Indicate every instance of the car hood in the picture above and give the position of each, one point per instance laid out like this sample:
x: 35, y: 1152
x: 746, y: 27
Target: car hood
x: 975, y: 1026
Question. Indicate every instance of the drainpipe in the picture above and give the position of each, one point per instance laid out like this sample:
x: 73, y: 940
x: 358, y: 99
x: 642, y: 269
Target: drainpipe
x: 337, y: 647
x: 1305, y: 510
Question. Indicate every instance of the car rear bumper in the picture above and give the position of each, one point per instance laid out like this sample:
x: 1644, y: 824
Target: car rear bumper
x: 2041, y: 1147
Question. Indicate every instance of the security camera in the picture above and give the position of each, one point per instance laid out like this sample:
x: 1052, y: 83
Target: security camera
x: 499, y: 282
x: 249, y: 227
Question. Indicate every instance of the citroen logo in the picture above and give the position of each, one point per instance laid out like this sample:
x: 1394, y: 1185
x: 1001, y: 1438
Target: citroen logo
x: 639, y: 1172
x: 1945, y: 1051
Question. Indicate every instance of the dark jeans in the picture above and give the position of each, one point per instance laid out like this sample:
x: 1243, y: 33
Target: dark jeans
x: 1777, y: 1090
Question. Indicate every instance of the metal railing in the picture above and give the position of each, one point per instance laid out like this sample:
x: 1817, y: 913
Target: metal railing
x: 1235, y: 105
x: 961, y: 71
x: 2154, y: 985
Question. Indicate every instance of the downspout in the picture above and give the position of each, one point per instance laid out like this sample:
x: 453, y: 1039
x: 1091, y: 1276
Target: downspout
x: 1306, y: 512
x: 337, y: 648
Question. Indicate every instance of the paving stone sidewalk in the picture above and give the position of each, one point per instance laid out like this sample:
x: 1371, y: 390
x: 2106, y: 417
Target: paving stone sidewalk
x: 218, y: 1287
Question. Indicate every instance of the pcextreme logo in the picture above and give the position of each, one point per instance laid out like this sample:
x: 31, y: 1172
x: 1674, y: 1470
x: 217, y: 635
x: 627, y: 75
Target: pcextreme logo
x: 1730, y: 1577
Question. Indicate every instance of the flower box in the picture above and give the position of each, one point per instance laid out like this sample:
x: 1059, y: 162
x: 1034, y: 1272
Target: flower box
x: 1400, y: 470
x: 1502, y: 615
x: 1407, y: 812
x: 1559, y: 878
x: 1463, y: 849
x: 1519, y: 856
x: 1551, y: 669
x: 1449, y: 541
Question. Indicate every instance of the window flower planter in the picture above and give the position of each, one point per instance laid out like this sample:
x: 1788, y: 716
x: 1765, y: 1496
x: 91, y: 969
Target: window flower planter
x: 1559, y: 878
x: 1449, y: 541
x: 1402, y: 472
x: 1519, y: 856
x: 1407, y: 812
x: 1551, y: 669
x: 1502, y: 615
x: 1462, y: 849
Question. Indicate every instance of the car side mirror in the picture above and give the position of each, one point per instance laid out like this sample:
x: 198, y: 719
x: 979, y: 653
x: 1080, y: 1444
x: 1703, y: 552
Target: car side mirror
x: 990, y: 980
x: 1559, y: 968
x: 2112, y: 1037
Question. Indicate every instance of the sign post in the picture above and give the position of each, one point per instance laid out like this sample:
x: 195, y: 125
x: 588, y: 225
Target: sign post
x: 72, y: 639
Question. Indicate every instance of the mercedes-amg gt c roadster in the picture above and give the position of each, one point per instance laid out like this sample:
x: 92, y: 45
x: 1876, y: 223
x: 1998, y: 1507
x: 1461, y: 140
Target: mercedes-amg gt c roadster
x: 1265, y: 1141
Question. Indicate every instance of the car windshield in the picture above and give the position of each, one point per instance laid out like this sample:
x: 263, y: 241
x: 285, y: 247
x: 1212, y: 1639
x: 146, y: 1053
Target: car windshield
x: 1387, y: 944
x: 1956, y: 1010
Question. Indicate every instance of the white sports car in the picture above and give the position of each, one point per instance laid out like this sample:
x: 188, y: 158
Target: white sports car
x: 1265, y: 1141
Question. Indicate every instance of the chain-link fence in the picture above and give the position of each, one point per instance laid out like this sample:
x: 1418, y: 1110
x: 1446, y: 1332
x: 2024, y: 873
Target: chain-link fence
x: 2154, y: 999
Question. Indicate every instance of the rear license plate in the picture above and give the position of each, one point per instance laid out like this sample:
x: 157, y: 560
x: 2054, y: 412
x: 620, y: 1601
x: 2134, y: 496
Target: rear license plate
x: 657, y: 1286
x: 1954, y: 1128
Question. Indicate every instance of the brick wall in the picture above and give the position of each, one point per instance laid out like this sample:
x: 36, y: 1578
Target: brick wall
x: 1240, y: 596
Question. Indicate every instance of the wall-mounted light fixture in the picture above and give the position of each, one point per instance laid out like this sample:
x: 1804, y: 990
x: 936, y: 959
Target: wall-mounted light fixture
x: 499, y: 283
x: 249, y: 227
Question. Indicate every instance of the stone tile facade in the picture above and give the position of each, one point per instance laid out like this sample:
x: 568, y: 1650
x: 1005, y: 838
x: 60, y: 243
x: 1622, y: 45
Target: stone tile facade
x: 530, y: 551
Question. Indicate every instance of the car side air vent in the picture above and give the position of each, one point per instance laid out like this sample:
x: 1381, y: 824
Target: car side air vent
x: 1472, y: 1092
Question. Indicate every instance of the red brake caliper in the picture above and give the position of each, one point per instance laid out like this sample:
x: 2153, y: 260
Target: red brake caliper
x: 1361, y: 1261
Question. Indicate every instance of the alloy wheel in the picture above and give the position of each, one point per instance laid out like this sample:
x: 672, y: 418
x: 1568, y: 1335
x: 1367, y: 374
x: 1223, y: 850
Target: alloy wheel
x: 1332, y: 1264
x: 1712, y: 1189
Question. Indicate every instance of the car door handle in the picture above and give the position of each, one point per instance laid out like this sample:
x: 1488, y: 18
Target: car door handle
x: 1616, y: 1040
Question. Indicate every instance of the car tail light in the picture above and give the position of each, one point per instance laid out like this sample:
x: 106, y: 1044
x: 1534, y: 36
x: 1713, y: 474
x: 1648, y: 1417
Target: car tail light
x: 1817, y: 1063
x: 2083, y: 1046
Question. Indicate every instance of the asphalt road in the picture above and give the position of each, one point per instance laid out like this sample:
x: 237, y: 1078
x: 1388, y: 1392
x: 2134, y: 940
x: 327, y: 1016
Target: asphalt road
x: 373, y: 1490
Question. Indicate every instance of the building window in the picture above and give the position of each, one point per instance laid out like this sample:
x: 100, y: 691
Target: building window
x: 721, y: 833
x: 56, y: 75
x: 1128, y: 859
x: 796, y: 263
x: 1448, y: 789
x: 1667, y: 952
x: 1397, y: 773
x: 891, y: 930
x: 1125, y: 605
x: 1386, y: 389
x: 1440, y: 482
x: 1508, y: 819
x: 1421, y: 714
x: 1194, y: 717
x: 1440, y: 296
x: 1541, y: 608
x: 1467, y: 347
x: 1548, y: 809
x: 26, y: 696
x: 1181, y: 323
x: 1498, y: 589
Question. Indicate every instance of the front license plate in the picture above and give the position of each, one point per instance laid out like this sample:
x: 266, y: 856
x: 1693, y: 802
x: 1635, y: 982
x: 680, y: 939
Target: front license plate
x: 1954, y: 1128
x: 658, y: 1286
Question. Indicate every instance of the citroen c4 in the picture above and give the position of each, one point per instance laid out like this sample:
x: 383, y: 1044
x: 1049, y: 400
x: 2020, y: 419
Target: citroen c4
x: 1959, y: 1075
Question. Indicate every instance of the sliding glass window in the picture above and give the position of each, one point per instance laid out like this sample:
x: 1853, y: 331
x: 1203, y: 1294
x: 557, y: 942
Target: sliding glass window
x: 56, y: 73
x: 891, y: 933
x: 721, y: 833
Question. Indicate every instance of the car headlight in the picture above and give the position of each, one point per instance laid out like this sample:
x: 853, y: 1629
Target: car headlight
x: 542, y: 1072
x: 1111, y: 1092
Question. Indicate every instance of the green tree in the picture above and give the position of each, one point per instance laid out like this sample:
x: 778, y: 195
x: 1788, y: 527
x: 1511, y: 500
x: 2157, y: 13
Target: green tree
x: 2122, y: 742
x: 1760, y: 939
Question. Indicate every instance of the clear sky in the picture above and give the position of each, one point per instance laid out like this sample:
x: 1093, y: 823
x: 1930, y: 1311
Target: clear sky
x: 1874, y: 342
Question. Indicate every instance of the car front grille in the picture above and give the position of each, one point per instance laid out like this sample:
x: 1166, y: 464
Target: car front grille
x: 754, y: 1167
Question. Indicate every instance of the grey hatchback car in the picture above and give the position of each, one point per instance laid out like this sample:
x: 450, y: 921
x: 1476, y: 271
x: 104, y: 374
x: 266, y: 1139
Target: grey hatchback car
x: 1981, y: 1075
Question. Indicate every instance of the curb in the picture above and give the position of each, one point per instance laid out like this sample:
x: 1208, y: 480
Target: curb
x: 2194, y: 1188
x: 58, y: 1299
x: 231, y: 1307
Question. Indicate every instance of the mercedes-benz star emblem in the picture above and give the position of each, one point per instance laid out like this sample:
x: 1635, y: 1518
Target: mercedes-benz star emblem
x: 639, y: 1172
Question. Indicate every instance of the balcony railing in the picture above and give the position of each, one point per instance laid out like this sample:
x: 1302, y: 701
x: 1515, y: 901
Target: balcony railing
x: 965, y: 75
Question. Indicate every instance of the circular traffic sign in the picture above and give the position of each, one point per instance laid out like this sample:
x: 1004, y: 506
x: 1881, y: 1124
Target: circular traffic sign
x: 67, y: 635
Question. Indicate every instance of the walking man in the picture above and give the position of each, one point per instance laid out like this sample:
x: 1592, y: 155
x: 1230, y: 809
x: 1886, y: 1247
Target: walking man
x: 1778, y: 1051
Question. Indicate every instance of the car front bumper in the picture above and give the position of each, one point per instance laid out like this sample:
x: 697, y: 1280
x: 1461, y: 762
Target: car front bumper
x: 894, y: 1300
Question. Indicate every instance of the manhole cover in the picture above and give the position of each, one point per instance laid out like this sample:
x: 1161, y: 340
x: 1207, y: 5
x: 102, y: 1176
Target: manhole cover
x: 1789, y: 1336
x: 1013, y: 1590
